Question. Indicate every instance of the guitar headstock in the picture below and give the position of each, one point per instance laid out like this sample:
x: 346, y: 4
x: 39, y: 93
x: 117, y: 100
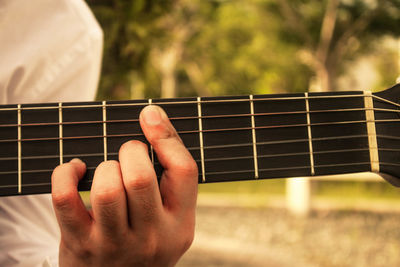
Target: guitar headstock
x: 387, y: 124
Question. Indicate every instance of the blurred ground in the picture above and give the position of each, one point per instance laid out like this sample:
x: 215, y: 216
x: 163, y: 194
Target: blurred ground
x: 260, y: 236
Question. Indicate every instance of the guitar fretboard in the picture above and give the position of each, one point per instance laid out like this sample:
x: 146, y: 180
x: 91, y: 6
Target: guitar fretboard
x: 231, y: 138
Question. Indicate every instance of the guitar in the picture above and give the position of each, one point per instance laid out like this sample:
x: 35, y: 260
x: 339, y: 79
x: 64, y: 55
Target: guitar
x: 231, y: 138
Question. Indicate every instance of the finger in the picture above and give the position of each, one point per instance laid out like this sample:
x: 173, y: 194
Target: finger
x: 140, y: 181
x: 179, y: 182
x: 72, y: 216
x: 108, y: 199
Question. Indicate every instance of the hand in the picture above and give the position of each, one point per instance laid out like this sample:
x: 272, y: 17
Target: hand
x: 133, y: 222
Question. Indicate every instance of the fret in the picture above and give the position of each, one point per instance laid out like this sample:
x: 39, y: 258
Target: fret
x: 9, y: 151
x: 223, y: 148
x: 372, y: 142
x: 186, y: 110
x: 309, y: 135
x: 36, y: 166
x: 19, y: 151
x: 348, y: 161
x: 73, y: 112
x: 277, y: 157
x: 201, y: 140
x: 253, y: 134
x: 104, y: 130
x: 123, y: 120
x: 151, y: 147
x: 60, y: 132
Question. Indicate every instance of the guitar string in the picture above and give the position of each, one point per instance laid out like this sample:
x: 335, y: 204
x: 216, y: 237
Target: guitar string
x: 194, y: 101
x: 89, y: 181
x: 224, y: 146
x: 385, y: 100
x: 224, y: 172
x: 197, y: 148
x: 214, y: 173
x: 196, y: 117
x: 193, y: 148
x: 203, y: 131
x: 209, y: 159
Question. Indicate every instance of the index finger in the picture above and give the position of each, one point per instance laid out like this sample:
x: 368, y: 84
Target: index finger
x: 179, y: 182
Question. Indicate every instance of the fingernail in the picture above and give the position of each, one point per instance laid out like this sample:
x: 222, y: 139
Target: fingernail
x: 76, y: 160
x: 151, y: 115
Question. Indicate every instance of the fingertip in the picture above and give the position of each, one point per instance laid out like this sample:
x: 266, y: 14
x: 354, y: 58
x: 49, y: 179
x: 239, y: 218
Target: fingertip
x: 151, y: 115
x: 156, y: 124
x: 76, y: 160
x: 79, y: 166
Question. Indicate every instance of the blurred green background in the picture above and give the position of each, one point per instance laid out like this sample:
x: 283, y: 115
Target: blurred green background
x: 193, y: 47
x: 176, y: 48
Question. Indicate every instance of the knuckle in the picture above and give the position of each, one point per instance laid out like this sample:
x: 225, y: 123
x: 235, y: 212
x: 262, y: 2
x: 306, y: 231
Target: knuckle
x: 187, y: 241
x: 78, y: 247
x: 162, y: 132
x: 111, y: 246
x: 141, y: 180
x: 62, y: 200
x: 150, y: 248
x: 187, y: 168
x: 188, y: 234
x: 106, y: 197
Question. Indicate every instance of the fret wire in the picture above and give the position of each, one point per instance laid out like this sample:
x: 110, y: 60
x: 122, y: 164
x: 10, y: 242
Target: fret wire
x: 203, y: 171
x: 310, y: 146
x: 229, y: 172
x: 151, y: 147
x: 19, y: 151
x: 189, y: 102
x: 203, y: 131
x: 193, y: 117
x: 104, y: 130
x: 253, y: 134
x: 60, y: 133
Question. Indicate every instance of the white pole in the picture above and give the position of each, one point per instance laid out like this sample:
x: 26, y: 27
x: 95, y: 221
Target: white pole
x: 298, y: 198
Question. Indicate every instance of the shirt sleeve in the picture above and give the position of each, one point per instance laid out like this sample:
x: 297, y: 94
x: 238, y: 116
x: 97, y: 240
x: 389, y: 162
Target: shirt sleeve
x: 50, y: 51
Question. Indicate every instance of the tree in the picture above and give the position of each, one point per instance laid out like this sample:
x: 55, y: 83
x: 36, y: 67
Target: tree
x: 332, y: 32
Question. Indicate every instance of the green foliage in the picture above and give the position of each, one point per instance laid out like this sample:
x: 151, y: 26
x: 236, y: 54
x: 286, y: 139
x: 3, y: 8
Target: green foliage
x: 235, y: 46
x: 129, y: 31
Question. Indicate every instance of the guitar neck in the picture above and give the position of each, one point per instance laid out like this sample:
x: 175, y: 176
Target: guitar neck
x: 231, y: 138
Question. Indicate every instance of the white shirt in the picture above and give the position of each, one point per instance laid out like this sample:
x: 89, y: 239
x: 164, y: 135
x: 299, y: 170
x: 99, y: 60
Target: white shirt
x: 50, y: 51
